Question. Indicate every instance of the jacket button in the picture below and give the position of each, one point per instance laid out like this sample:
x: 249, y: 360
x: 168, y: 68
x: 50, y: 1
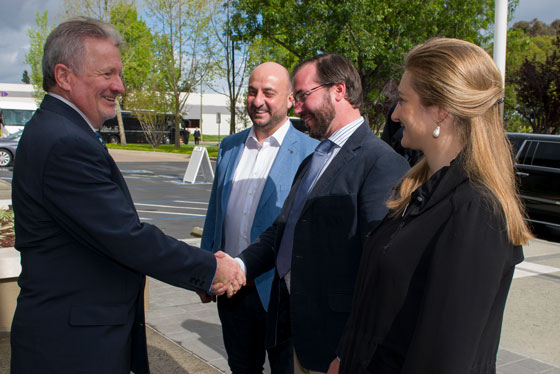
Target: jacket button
x: 420, y: 199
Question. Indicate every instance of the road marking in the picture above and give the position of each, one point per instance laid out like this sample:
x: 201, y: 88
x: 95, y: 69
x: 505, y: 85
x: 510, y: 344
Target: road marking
x: 169, y: 206
x: 190, y: 202
x: 172, y: 213
x: 530, y: 269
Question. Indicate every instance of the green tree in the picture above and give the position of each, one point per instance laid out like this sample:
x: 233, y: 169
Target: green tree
x: 537, y: 28
x: 137, y: 56
x: 375, y: 34
x: 520, y: 47
x: 34, y: 57
x: 185, y: 51
x: 98, y: 9
x: 538, y: 97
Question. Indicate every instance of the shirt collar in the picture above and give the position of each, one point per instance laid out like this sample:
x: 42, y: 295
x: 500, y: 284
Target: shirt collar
x: 340, y: 136
x: 70, y: 104
x: 275, y: 139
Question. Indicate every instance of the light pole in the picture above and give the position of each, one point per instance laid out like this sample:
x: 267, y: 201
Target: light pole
x: 500, y: 41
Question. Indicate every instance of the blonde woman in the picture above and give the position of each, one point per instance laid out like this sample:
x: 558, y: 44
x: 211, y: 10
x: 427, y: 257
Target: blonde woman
x: 434, y: 276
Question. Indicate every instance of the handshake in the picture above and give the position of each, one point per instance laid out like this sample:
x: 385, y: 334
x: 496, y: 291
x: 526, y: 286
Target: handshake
x: 229, y: 278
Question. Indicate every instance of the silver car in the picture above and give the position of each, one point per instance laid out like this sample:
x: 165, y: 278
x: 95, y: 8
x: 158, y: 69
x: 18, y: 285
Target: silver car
x: 8, y: 146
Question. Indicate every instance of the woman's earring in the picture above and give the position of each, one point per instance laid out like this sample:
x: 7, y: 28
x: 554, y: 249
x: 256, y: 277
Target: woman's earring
x: 435, y: 134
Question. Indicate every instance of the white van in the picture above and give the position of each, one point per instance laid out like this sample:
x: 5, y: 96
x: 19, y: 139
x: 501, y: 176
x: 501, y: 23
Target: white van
x: 17, y: 104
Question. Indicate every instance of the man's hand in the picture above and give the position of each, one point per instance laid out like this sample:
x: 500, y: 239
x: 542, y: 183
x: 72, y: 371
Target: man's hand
x: 334, y: 366
x: 205, y: 298
x: 229, y: 276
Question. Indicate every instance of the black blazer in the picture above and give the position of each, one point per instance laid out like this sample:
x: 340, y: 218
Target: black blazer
x: 432, y: 284
x: 84, y: 253
x: 345, y: 204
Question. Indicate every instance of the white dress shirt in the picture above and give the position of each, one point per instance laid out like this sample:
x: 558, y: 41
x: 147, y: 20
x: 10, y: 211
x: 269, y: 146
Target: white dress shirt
x: 339, y: 138
x: 248, y: 183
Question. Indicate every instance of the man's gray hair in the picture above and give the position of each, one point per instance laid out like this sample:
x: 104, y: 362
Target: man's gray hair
x: 65, y: 45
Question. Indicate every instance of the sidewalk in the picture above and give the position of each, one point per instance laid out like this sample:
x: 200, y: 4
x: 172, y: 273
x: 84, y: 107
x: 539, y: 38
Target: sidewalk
x: 180, y: 316
x: 184, y: 335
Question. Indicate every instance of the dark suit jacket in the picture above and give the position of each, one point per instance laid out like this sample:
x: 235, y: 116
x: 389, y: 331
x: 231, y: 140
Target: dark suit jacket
x: 346, y: 203
x: 84, y: 253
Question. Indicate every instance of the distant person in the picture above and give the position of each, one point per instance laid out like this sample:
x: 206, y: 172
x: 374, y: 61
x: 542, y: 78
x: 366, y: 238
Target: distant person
x: 254, y: 172
x: 196, y: 136
x: 392, y: 134
x: 186, y: 134
x: 84, y: 251
x: 3, y: 131
x: 434, y: 276
x: 337, y: 197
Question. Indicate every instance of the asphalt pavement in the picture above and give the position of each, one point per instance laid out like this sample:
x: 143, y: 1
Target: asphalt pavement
x: 186, y: 333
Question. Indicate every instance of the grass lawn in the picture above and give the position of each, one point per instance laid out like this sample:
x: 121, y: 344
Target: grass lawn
x: 169, y: 148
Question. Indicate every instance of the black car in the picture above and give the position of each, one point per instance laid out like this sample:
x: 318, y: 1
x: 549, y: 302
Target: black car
x: 537, y: 167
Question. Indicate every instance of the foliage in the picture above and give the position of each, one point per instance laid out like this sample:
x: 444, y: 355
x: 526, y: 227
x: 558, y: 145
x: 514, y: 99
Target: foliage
x: 520, y: 47
x: 538, y: 28
x: 184, y: 50
x: 375, y: 34
x: 137, y: 57
x: 153, y: 121
x: 99, y: 9
x: 33, y: 58
x: 7, y: 236
x: 539, y: 92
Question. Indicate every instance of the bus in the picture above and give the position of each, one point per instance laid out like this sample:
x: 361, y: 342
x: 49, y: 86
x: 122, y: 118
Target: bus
x: 17, y: 105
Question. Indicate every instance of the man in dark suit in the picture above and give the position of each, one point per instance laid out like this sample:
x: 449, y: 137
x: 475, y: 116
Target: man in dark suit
x: 254, y: 172
x: 338, y: 196
x: 84, y: 251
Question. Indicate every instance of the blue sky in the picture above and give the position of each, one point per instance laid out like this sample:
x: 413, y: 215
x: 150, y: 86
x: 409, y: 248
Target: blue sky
x: 16, y: 16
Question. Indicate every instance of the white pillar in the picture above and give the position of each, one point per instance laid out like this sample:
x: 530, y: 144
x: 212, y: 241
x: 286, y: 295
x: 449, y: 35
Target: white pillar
x: 500, y: 36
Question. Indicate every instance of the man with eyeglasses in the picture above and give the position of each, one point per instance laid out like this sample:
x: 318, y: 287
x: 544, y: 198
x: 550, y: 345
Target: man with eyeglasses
x: 337, y: 197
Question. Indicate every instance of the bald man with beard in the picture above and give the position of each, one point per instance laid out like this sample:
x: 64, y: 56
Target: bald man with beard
x: 254, y: 173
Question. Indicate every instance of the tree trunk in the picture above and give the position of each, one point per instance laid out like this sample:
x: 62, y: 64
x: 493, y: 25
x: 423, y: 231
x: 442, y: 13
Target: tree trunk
x: 120, y: 122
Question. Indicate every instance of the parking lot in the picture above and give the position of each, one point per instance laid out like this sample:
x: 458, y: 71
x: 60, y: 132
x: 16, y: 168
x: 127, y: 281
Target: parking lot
x: 530, y: 327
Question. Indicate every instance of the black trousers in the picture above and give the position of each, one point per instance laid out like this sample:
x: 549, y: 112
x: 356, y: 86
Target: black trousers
x: 244, y: 328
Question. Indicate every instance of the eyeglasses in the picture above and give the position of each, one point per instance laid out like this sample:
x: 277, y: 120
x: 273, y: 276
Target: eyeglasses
x: 300, y: 97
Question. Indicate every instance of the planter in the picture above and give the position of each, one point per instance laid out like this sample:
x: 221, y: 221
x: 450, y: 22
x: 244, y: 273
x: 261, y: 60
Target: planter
x: 10, y: 268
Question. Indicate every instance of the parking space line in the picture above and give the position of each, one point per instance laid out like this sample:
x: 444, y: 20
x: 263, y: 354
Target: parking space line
x: 169, y: 206
x: 171, y: 213
x: 529, y: 269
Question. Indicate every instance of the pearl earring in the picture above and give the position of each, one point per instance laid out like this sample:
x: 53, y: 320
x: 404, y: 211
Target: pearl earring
x: 435, y: 134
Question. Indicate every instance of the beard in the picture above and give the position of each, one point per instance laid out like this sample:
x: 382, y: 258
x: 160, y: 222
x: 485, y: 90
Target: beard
x: 323, y: 118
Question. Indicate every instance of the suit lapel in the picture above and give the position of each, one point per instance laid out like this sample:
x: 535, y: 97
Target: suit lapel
x: 55, y: 105
x: 52, y: 104
x: 337, y: 165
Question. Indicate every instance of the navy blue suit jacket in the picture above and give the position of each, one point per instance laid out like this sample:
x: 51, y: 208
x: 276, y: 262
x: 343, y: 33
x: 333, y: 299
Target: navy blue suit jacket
x: 346, y: 203
x: 85, y: 253
x: 295, y: 147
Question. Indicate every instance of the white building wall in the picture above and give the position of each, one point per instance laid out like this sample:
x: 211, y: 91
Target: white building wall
x: 212, y: 104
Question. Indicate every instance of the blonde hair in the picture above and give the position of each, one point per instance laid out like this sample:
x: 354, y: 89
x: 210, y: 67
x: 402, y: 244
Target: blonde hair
x: 462, y: 78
